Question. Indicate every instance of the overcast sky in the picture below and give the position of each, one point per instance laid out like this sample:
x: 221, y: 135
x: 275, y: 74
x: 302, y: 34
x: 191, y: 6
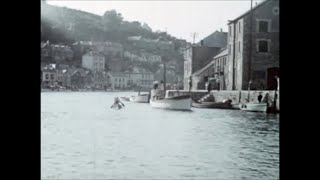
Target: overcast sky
x: 178, y: 18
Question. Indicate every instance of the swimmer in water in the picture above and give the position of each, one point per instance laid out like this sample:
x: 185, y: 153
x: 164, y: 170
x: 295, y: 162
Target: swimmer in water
x: 118, y: 103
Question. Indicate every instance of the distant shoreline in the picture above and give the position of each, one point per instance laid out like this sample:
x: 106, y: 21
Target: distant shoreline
x: 48, y: 90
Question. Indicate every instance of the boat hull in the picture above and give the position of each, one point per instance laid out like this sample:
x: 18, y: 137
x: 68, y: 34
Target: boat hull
x: 217, y: 105
x: 254, y: 107
x: 173, y: 104
x: 140, y: 98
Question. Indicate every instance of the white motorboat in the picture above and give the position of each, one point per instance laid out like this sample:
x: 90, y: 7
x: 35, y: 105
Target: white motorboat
x: 142, y: 98
x: 255, y: 107
x: 173, y: 103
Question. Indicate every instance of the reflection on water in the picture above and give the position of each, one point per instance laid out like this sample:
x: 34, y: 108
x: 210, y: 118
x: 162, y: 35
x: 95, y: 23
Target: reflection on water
x: 83, y: 138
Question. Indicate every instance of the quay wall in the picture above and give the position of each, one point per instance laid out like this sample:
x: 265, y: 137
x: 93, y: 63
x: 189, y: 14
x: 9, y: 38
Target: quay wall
x: 236, y: 96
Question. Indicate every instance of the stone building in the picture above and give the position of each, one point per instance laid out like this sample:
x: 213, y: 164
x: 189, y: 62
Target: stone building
x: 214, y: 70
x: 94, y: 61
x: 257, y: 61
x: 198, y: 55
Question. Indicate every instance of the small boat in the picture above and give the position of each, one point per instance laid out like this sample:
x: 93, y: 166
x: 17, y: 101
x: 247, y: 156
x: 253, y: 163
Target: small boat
x: 142, y: 98
x: 173, y: 103
x: 255, y: 107
x: 218, y: 105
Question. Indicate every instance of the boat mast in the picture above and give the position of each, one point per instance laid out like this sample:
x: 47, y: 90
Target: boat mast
x: 164, y: 78
x: 250, y: 45
x: 250, y: 53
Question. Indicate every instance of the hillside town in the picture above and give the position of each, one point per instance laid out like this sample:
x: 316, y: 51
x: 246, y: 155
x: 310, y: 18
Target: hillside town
x: 101, y: 67
x: 225, y: 60
x: 120, y: 100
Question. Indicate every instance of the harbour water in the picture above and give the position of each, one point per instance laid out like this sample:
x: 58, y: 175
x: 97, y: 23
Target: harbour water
x: 83, y: 138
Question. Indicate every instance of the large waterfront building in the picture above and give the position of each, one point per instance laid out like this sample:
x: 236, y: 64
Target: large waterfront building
x: 253, y: 48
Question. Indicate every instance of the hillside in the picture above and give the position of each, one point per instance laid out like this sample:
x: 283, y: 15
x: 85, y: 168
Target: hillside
x: 66, y: 26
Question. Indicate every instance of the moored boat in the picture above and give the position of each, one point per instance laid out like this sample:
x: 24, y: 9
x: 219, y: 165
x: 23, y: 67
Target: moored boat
x: 218, y: 105
x: 255, y: 107
x: 142, y: 98
x: 172, y: 103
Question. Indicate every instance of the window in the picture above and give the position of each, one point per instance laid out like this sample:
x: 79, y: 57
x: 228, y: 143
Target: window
x: 52, y: 76
x: 263, y: 26
x: 229, y: 49
x: 230, y: 29
x: 239, y: 27
x: 263, y: 46
x: 239, y: 46
x: 47, y: 76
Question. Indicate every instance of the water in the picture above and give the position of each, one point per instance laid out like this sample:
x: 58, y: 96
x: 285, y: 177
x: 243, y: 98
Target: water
x: 83, y: 138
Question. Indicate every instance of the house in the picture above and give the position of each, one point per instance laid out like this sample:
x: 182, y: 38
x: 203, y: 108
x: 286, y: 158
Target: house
x: 118, y: 80
x: 94, y: 61
x: 76, y: 77
x: 198, y: 55
x: 110, y: 50
x: 100, y: 79
x: 253, y: 48
x: 77, y: 80
x: 139, y: 77
x: 216, y: 69
x: 216, y: 39
x: 45, y: 52
x: 49, y: 76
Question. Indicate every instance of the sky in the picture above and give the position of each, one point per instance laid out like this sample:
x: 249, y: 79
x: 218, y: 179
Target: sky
x: 180, y: 19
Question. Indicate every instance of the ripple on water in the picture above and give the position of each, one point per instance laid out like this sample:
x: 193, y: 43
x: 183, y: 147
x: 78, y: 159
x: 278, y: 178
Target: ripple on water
x: 82, y: 138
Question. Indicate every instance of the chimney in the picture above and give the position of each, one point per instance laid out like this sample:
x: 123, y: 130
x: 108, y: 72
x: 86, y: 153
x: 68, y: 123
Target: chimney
x: 201, y: 42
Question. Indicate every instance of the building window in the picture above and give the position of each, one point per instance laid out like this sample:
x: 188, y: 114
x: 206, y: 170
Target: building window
x: 239, y: 46
x: 229, y: 48
x: 239, y: 27
x: 230, y: 29
x: 263, y: 46
x: 47, y: 76
x: 263, y: 26
x: 52, y: 76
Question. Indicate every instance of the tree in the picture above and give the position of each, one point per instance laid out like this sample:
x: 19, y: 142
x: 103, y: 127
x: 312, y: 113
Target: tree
x: 111, y: 20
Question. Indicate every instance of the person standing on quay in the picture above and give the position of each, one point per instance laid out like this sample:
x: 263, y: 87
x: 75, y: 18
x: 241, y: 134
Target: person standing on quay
x: 260, y: 97
x: 190, y: 83
x: 209, y: 88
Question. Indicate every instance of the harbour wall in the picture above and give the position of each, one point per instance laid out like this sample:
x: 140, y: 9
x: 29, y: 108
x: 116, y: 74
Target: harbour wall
x: 236, y: 96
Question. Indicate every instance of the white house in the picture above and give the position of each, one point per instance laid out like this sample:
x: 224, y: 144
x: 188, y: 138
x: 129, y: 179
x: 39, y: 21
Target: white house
x: 118, y: 80
x: 94, y: 61
x: 140, y: 77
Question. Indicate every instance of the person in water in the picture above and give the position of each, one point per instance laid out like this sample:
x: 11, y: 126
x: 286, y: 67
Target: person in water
x: 118, y: 103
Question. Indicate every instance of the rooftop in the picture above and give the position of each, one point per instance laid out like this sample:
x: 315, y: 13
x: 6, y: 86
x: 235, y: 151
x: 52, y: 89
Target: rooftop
x: 247, y: 12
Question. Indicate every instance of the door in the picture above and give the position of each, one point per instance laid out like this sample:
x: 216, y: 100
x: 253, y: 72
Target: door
x: 272, y: 81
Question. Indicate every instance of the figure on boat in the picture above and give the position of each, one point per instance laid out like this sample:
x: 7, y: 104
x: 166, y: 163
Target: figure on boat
x: 117, y: 104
